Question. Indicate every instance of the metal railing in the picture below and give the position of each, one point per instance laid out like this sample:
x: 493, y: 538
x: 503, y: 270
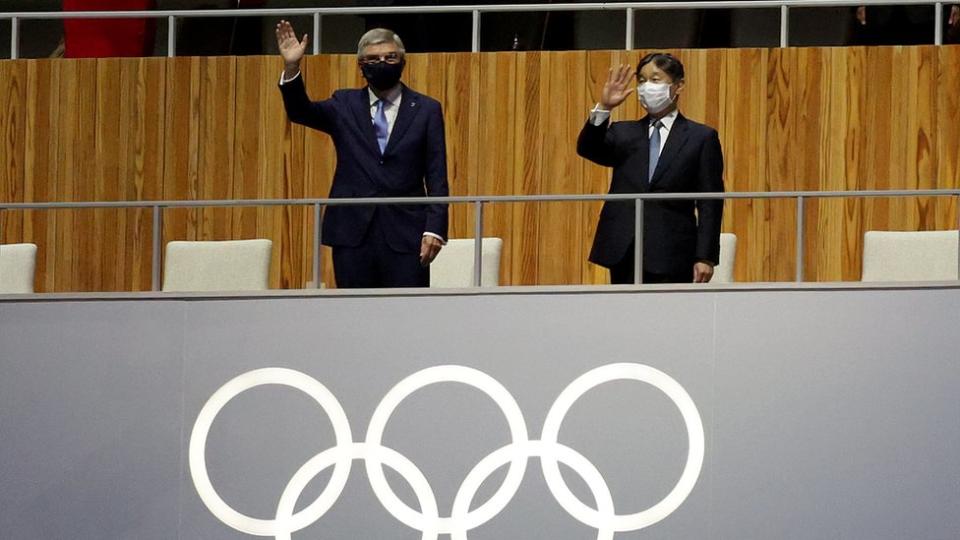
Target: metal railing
x: 479, y: 203
x: 629, y: 10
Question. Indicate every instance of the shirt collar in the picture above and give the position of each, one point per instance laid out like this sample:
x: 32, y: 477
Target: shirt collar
x: 392, y: 97
x: 669, y: 119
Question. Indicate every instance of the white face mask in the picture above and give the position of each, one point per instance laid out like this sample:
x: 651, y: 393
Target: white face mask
x: 655, y: 97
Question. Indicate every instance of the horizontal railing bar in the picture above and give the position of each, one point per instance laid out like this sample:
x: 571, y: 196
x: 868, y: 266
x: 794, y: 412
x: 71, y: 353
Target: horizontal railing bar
x: 483, y: 8
x: 481, y: 198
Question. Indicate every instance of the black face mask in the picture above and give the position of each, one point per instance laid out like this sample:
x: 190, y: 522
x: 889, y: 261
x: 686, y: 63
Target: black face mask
x: 382, y: 76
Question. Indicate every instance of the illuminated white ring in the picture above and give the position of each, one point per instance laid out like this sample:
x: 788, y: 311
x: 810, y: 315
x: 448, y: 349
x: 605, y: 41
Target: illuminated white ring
x: 691, y: 470
x: 414, y: 382
x: 198, y: 443
x: 321, y: 461
x: 557, y: 452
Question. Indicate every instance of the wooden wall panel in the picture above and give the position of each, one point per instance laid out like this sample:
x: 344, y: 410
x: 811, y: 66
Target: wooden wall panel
x: 12, y: 146
x: 141, y: 131
x: 194, y: 128
x: 497, y: 102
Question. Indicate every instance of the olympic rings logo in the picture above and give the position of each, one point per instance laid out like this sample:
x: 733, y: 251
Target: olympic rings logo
x: 427, y: 520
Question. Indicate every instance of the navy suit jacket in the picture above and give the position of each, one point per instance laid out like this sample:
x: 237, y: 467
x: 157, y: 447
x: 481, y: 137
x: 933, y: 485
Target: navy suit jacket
x: 676, y: 234
x: 413, y: 164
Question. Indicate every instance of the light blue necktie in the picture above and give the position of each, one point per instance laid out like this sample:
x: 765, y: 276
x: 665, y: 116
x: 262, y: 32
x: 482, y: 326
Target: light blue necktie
x: 380, y: 126
x: 654, y: 149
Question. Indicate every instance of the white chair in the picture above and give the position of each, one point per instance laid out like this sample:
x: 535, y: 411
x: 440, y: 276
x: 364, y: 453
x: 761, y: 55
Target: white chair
x: 18, y: 263
x: 453, y: 267
x: 232, y: 265
x: 909, y: 256
x: 723, y: 272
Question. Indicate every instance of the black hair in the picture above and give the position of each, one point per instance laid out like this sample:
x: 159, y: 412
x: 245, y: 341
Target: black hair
x: 665, y: 61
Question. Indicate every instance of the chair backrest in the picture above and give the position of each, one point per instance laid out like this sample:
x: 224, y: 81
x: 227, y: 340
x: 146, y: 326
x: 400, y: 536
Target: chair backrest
x: 232, y: 265
x: 453, y: 267
x: 909, y: 256
x: 18, y: 263
x: 723, y: 272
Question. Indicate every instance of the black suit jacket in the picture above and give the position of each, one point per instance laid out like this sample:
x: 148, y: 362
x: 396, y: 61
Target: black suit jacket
x: 676, y: 234
x: 413, y: 164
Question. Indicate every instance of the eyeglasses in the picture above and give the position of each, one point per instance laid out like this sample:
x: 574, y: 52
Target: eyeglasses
x: 390, y: 58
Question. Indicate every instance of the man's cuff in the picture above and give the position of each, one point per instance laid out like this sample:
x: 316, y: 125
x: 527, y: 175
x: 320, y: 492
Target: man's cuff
x: 282, y: 80
x: 598, y: 116
x: 437, y: 236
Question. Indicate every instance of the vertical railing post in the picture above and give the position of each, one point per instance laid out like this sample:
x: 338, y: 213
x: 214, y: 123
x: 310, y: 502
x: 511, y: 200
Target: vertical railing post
x: 478, y: 244
x: 784, y: 26
x: 938, y: 24
x: 800, y: 239
x: 157, y: 241
x: 475, y: 32
x: 171, y: 36
x: 629, y: 38
x: 317, y: 245
x: 638, y: 243
x: 316, y: 33
x: 14, y: 38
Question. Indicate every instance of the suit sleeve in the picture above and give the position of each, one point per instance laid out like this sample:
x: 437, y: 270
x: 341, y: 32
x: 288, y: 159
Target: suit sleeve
x: 596, y: 144
x: 314, y: 114
x: 436, y: 177
x: 710, y: 212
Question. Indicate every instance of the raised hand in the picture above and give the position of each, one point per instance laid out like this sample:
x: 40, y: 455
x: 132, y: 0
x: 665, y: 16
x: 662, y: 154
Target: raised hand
x: 291, y: 49
x: 617, y: 87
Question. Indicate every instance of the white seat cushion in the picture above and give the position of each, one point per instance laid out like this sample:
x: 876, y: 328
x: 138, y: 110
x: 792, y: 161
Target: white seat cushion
x: 232, y: 265
x: 909, y: 256
x: 18, y: 263
x: 453, y: 267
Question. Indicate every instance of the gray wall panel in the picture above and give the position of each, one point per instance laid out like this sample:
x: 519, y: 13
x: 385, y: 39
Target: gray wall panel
x: 827, y: 414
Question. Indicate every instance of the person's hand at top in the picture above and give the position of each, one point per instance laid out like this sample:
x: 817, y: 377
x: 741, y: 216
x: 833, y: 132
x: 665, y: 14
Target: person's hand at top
x: 291, y: 49
x: 617, y: 87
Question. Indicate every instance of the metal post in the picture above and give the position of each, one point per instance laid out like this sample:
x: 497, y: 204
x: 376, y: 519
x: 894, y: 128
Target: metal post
x: 629, y: 40
x: 478, y: 244
x: 638, y: 244
x: 14, y: 38
x: 316, y: 33
x: 157, y: 240
x: 317, y: 259
x: 475, y: 38
x: 784, y: 26
x: 171, y: 36
x: 800, y: 239
x: 938, y: 24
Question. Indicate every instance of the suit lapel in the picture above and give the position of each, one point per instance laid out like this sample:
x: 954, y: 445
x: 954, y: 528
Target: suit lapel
x: 361, y: 110
x: 409, y: 107
x: 675, y: 141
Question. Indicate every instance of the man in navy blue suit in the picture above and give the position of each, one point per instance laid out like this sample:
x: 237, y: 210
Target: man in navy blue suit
x: 389, y: 142
x: 663, y: 152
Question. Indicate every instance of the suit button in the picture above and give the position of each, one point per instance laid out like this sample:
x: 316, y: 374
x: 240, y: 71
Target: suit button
x: 381, y: 162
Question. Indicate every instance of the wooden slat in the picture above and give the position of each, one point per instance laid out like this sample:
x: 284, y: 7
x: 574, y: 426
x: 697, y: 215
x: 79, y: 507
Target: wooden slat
x: 562, y: 107
x: 13, y: 116
x: 141, y: 133
x: 497, y: 103
x: 42, y: 165
x: 528, y: 170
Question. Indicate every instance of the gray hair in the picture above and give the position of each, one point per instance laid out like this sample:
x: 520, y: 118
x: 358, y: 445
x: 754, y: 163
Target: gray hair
x: 378, y: 36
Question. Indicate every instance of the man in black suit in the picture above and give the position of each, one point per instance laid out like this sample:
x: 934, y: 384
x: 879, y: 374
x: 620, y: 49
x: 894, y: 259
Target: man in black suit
x: 663, y: 152
x: 389, y: 142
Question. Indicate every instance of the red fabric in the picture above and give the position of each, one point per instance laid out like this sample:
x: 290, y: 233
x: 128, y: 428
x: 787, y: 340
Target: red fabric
x: 91, y: 38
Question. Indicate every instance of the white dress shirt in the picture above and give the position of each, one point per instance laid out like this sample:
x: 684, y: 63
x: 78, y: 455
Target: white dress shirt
x: 598, y: 116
